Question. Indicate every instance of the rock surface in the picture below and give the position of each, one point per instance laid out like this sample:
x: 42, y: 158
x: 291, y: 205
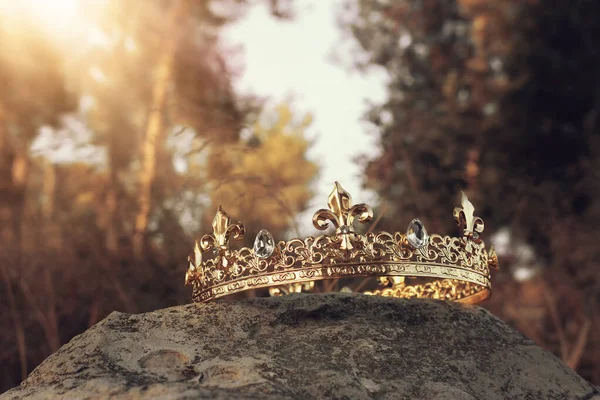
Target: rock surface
x: 338, y: 346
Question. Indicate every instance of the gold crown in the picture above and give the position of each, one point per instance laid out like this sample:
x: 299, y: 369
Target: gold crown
x: 442, y: 267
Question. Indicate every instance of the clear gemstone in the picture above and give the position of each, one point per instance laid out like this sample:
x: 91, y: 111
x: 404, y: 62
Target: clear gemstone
x: 416, y: 234
x: 264, y: 245
x: 344, y: 229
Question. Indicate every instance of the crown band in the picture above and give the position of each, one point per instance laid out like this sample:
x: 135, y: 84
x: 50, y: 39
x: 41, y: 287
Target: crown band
x: 451, y: 268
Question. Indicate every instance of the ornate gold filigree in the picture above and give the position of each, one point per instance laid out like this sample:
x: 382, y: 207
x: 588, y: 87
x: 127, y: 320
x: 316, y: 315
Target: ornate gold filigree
x: 443, y: 289
x: 293, y: 288
x: 456, y: 265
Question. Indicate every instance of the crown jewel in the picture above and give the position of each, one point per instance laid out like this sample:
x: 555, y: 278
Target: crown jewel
x: 411, y: 264
x: 416, y: 234
x: 263, y: 244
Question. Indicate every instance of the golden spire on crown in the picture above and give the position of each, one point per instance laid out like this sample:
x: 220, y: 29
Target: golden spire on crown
x: 222, y: 230
x: 342, y: 214
x: 411, y: 264
x: 218, y: 242
x: 465, y: 218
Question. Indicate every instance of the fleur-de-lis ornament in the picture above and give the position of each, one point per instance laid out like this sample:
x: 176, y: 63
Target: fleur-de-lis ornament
x: 493, y: 258
x: 342, y: 214
x: 194, y: 271
x: 222, y: 232
x: 465, y: 218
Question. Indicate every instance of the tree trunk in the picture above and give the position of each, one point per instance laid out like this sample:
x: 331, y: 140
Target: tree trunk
x: 5, y: 184
x: 155, y: 128
x: 112, y: 203
x: 50, y: 231
x: 20, y: 172
x: 49, y: 190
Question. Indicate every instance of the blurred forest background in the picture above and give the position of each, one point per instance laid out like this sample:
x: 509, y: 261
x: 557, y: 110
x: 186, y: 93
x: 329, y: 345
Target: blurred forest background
x: 498, y: 98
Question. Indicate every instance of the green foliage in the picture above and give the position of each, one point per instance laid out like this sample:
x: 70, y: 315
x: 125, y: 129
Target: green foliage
x: 266, y: 179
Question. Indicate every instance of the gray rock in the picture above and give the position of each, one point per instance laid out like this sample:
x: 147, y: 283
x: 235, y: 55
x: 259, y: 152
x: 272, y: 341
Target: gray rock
x: 338, y: 346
